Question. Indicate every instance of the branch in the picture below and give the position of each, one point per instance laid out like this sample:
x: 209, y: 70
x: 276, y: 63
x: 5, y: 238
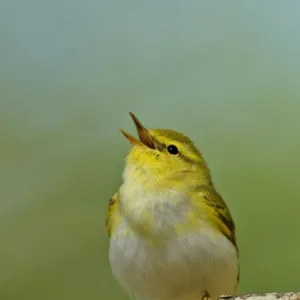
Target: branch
x: 267, y: 296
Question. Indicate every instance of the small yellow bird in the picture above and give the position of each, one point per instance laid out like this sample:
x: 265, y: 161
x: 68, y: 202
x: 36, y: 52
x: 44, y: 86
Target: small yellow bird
x: 171, y: 234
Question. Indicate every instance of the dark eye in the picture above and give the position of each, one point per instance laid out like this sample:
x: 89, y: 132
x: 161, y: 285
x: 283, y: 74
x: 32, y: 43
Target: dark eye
x: 173, y: 150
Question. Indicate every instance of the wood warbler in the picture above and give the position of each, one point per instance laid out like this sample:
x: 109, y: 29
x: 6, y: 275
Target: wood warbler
x: 171, y: 233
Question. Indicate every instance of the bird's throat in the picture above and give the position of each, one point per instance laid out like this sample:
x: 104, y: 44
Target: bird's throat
x: 152, y: 209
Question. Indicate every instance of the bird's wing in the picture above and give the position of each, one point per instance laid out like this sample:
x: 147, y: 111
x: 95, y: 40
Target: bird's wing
x: 220, y: 214
x: 110, y: 217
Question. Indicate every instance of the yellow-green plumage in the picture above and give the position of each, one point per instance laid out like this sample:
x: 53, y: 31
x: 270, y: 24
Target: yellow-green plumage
x: 112, y: 206
x: 166, y: 211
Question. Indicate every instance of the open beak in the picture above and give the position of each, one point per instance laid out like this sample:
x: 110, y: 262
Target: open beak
x: 144, y: 134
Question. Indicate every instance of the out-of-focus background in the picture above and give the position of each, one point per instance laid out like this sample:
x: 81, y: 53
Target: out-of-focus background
x: 224, y: 73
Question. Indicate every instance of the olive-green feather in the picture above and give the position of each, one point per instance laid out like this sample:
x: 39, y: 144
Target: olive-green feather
x: 112, y: 206
x: 222, y: 217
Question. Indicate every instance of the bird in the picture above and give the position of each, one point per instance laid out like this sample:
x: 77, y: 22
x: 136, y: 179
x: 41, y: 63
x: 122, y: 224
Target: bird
x: 171, y: 235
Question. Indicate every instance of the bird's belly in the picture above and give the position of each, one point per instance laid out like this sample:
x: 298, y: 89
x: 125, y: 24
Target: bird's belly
x: 182, y: 267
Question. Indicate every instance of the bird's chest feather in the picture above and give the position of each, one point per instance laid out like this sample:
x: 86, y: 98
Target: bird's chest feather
x: 191, y: 263
x: 156, y: 254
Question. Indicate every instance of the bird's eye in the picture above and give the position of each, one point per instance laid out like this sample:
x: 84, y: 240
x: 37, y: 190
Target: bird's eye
x: 173, y: 150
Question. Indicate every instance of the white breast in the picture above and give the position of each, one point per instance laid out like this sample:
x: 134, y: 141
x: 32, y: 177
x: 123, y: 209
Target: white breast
x: 183, y: 268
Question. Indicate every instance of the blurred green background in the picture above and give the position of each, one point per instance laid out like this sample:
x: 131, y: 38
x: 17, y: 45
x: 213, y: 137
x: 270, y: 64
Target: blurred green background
x: 224, y: 73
